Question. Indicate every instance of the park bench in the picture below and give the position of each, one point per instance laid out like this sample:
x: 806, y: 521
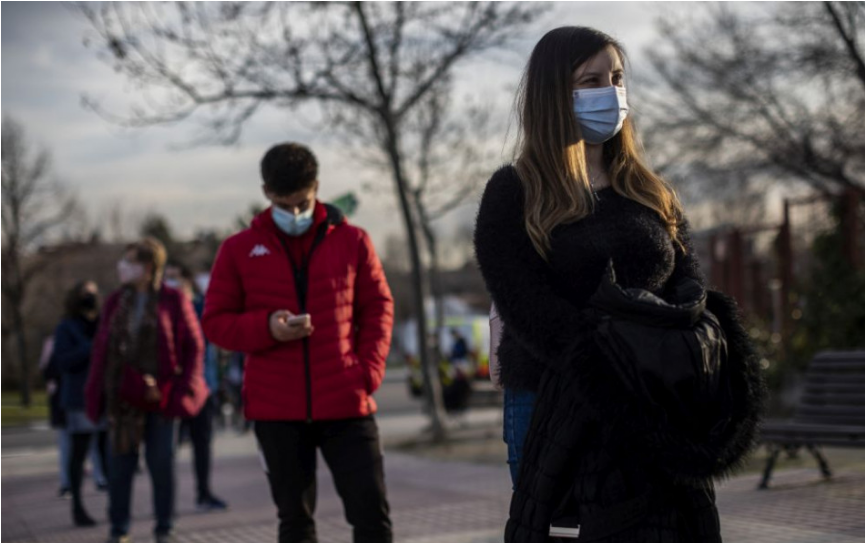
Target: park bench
x: 831, y: 411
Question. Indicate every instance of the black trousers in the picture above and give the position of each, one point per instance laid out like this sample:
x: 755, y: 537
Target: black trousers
x: 351, y: 449
x: 80, y: 448
x: 201, y: 436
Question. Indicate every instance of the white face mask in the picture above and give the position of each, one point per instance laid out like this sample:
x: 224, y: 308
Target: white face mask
x: 129, y: 272
x: 172, y: 283
x: 600, y: 112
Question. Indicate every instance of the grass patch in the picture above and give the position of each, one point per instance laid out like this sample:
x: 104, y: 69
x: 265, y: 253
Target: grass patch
x: 12, y: 414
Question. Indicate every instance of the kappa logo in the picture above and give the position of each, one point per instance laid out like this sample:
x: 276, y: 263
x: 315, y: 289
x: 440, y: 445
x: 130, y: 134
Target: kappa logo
x: 259, y: 250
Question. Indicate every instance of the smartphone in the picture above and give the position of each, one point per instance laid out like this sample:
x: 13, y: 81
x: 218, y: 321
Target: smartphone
x: 299, y: 320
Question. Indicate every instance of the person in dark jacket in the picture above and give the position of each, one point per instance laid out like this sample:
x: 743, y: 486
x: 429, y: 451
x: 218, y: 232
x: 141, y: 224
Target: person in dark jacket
x: 73, y: 340
x: 455, y: 375
x: 578, y: 195
x: 146, y: 371
x: 303, y: 295
x: 200, y: 427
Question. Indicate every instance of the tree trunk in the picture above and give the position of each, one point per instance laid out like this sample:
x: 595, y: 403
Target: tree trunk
x: 15, y: 298
x: 432, y: 386
x: 21, y: 347
x: 436, y: 287
x: 437, y: 291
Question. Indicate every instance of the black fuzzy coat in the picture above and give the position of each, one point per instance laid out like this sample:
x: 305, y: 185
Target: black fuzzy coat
x: 540, y: 302
x: 592, y: 449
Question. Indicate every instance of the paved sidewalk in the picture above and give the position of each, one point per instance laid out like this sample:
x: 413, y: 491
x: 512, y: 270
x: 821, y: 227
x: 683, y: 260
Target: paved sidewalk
x: 431, y: 501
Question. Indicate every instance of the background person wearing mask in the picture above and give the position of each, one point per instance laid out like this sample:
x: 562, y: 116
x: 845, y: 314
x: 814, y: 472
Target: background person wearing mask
x: 73, y: 340
x: 303, y: 294
x: 146, y: 370
x: 199, y: 427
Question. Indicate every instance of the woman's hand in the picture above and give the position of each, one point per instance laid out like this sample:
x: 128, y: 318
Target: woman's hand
x: 151, y: 394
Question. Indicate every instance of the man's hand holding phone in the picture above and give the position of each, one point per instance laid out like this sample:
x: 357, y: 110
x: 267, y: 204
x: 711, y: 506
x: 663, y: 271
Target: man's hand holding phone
x: 286, y: 326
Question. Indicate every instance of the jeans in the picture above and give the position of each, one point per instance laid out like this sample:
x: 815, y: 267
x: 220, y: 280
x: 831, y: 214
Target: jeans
x: 352, y: 450
x: 97, y: 462
x: 64, y: 448
x: 159, y: 455
x: 519, y: 406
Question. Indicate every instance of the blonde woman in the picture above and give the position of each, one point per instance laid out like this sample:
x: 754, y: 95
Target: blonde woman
x: 146, y: 371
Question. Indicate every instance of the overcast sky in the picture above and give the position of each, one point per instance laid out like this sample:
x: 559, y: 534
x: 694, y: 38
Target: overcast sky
x: 46, y: 69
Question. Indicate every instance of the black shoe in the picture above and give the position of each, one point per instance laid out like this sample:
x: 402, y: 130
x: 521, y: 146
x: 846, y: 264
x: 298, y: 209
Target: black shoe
x: 63, y: 492
x: 82, y: 519
x: 210, y: 503
x: 102, y: 487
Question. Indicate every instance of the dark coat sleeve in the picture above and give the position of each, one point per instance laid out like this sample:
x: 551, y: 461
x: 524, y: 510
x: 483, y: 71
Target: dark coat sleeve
x: 516, y: 276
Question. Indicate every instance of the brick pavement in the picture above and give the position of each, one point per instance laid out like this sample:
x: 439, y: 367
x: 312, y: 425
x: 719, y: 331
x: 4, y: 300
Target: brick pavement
x: 432, y: 502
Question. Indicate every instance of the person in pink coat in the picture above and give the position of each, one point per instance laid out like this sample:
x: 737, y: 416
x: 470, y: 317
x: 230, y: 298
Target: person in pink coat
x: 146, y: 371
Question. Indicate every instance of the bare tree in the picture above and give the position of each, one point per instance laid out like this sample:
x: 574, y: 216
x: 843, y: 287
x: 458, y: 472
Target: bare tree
x: 768, y: 92
x: 369, y: 65
x: 451, y: 154
x: 35, y: 210
x: 449, y: 150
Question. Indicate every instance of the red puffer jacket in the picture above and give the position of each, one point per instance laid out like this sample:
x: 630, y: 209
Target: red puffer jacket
x: 333, y: 373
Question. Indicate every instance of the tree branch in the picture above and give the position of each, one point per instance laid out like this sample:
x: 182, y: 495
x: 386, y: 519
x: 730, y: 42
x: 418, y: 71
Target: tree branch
x: 372, y: 59
x: 849, y: 42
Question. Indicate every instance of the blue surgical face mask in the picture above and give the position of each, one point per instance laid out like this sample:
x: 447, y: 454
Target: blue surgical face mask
x: 600, y: 112
x: 291, y: 224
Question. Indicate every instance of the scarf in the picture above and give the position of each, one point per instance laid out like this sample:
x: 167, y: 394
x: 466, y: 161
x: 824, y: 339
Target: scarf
x: 138, y: 349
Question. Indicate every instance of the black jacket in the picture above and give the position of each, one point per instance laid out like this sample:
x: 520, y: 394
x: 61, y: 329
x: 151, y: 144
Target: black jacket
x: 633, y: 420
x: 73, y: 339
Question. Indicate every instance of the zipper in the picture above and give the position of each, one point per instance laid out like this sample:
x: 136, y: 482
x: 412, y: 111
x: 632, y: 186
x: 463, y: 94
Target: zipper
x: 301, y: 285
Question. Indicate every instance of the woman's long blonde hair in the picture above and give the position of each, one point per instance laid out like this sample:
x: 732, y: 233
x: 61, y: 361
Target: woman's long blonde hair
x: 550, y: 154
x: 149, y: 250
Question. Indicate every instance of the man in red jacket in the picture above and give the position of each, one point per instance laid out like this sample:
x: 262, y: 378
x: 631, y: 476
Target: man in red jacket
x: 302, y: 293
